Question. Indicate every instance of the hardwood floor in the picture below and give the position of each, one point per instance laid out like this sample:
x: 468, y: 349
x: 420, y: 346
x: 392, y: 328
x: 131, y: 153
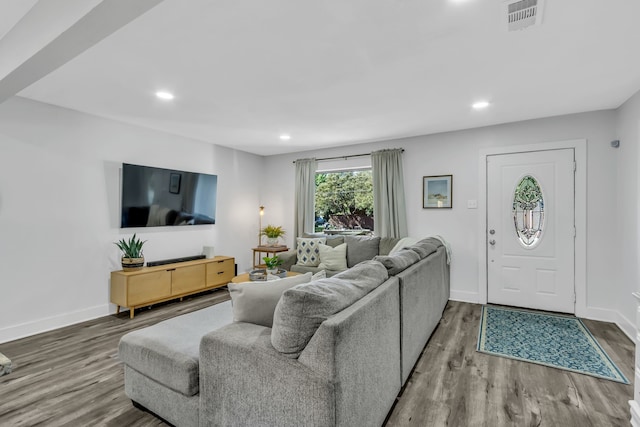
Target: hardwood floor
x: 71, y: 376
x: 454, y: 385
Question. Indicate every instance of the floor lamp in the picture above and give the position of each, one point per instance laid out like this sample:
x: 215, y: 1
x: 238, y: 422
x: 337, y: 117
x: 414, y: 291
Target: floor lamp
x: 260, y: 226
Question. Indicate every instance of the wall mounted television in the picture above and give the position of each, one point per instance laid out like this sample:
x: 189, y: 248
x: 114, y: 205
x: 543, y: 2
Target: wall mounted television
x: 155, y: 197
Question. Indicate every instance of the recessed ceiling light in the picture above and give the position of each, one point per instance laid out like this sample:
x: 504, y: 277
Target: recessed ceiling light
x: 480, y: 105
x: 285, y: 137
x: 164, y: 95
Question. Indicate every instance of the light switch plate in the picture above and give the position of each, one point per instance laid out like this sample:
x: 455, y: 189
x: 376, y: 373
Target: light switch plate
x: 472, y: 204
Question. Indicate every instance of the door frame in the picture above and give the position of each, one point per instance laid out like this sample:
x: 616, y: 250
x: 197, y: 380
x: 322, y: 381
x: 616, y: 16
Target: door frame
x: 580, y: 264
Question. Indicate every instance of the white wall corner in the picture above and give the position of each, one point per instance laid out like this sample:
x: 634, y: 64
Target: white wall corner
x: 26, y: 329
x: 611, y: 316
x: 627, y: 326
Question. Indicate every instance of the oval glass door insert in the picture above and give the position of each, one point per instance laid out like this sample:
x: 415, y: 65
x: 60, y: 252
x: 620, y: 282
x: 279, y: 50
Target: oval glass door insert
x: 528, y: 211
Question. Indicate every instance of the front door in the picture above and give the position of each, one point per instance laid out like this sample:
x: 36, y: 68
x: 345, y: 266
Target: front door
x: 531, y: 230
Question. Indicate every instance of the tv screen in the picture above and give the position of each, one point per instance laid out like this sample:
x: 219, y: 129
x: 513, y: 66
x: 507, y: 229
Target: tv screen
x: 155, y: 197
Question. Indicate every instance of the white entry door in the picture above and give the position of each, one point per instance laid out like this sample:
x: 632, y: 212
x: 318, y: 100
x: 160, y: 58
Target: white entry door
x: 531, y: 230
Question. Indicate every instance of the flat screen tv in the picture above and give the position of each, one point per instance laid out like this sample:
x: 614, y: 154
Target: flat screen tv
x: 155, y: 197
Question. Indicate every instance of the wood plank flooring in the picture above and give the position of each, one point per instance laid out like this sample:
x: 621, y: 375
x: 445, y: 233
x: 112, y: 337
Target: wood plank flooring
x: 453, y: 385
x: 71, y: 376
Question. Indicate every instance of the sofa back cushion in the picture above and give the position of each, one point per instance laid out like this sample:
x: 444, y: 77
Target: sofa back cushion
x: 333, y: 240
x: 303, y: 308
x: 423, y: 249
x: 399, y: 261
x: 361, y: 248
x: 255, y: 302
x: 387, y: 244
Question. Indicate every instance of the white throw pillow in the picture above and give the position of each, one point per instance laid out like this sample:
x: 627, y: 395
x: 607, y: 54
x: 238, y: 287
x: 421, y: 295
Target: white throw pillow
x: 255, y: 302
x: 403, y: 243
x: 319, y: 275
x: 308, y: 252
x: 333, y: 258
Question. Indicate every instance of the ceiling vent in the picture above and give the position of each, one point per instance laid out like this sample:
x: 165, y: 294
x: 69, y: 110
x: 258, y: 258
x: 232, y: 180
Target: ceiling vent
x: 522, y: 14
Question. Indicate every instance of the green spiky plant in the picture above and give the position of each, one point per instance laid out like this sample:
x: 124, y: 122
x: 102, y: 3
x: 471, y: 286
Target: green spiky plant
x: 131, y: 248
x: 272, y: 262
x: 272, y: 231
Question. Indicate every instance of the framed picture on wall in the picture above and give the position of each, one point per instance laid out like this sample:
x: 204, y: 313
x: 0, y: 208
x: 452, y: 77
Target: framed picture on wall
x: 437, y: 192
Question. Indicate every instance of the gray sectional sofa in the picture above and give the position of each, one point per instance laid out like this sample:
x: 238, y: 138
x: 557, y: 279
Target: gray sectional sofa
x: 337, y: 354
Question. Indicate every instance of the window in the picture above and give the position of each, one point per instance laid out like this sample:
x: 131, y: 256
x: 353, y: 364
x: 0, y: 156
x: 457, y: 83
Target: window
x: 344, y: 200
x: 528, y: 211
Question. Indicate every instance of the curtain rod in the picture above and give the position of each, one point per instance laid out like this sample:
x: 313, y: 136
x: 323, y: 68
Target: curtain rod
x: 345, y: 157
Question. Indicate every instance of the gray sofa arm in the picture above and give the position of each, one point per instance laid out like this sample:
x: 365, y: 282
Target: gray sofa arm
x: 245, y: 381
x: 288, y: 258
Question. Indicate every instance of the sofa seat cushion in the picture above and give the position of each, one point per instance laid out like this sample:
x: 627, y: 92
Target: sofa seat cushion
x: 168, y: 352
x: 303, y: 308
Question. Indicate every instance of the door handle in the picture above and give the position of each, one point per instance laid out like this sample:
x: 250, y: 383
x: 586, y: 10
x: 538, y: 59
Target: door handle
x: 492, y: 242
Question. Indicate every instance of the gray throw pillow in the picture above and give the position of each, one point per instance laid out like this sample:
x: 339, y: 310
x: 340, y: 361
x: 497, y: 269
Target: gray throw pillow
x: 255, y: 302
x: 361, y: 248
x: 303, y: 308
x: 399, y: 261
x: 423, y: 249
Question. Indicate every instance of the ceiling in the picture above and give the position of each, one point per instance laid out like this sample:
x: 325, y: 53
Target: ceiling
x: 327, y: 73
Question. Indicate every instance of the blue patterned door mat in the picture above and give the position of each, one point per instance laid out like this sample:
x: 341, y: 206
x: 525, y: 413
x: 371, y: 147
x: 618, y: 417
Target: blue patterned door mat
x: 555, y: 340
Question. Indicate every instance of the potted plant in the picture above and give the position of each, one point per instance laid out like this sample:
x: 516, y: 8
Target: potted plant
x: 273, y: 233
x: 132, y: 257
x: 272, y: 264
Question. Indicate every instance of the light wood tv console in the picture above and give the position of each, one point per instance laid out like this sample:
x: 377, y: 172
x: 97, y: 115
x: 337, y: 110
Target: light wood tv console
x: 151, y: 285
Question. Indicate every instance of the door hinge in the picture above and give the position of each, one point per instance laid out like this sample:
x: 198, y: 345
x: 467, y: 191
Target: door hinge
x: 575, y: 166
x: 574, y: 297
x: 574, y: 231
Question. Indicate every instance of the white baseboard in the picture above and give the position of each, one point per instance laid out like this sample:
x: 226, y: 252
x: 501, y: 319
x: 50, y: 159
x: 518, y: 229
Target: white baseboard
x: 628, y: 327
x: 464, y: 296
x: 22, y: 330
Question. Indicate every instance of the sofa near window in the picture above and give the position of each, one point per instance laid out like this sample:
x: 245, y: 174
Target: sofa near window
x: 358, y: 248
x: 336, y: 354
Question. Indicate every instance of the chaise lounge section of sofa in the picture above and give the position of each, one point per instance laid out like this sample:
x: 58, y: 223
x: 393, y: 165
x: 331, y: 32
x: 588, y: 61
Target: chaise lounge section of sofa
x: 337, y: 354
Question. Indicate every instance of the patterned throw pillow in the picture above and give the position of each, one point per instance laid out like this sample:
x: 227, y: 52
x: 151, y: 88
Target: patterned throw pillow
x: 308, y: 251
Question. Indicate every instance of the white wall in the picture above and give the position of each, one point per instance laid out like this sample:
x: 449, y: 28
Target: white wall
x: 457, y: 153
x: 628, y: 132
x: 59, y: 210
x: 59, y: 202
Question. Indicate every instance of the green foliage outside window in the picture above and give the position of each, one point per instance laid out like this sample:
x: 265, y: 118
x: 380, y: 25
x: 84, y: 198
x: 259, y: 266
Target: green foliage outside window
x: 345, y: 199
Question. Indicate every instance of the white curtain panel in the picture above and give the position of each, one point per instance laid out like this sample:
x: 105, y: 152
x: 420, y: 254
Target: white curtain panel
x: 305, y: 196
x: 389, y: 210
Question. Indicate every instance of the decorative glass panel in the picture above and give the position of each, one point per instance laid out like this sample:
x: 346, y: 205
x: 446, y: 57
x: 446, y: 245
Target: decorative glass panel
x: 528, y: 211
